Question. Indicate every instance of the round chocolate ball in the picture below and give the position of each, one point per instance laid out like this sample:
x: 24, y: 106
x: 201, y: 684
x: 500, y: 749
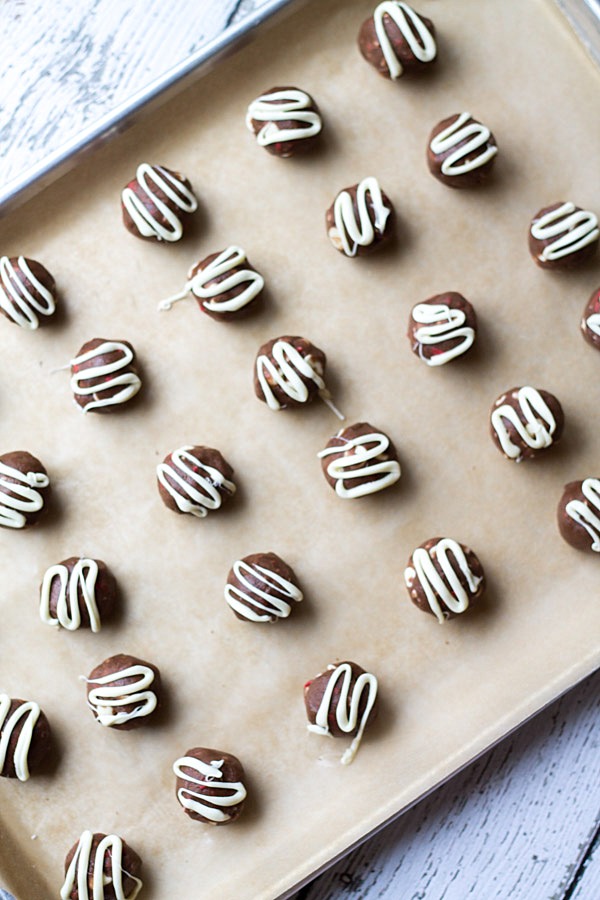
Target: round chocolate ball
x: 461, y: 151
x: 396, y: 40
x: 24, y: 489
x: 77, y: 593
x: 93, y: 853
x: 27, y: 291
x: 563, y: 236
x: 157, y: 203
x: 444, y: 578
x: 285, y: 121
x: 262, y: 588
x: 340, y: 702
x: 210, y: 785
x: 104, y: 375
x: 526, y: 421
x: 289, y: 371
x: 195, y: 480
x: 590, y: 321
x: 25, y: 738
x: 124, y: 692
x: 578, y: 514
x: 359, y: 460
x: 360, y: 218
x: 442, y: 328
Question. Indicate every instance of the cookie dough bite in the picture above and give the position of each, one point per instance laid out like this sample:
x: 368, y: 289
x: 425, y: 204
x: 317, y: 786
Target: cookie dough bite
x: 104, y: 375
x: 24, y: 489
x: 78, y: 593
x: 444, y: 578
x: 289, y: 371
x: 225, y: 285
x: 461, y: 151
x: 590, y: 321
x: 157, y: 204
x: 578, y: 515
x: 442, y: 328
x: 563, y: 236
x: 526, y: 421
x: 124, y: 692
x: 101, y: 867
x: 285, y: 121
x: 341, y: 702
x: 262, y: 588
x: 210, y: 785
x: 25, y: 738
x: 195, y: 480
x: 360, y: 218
x: 359, y: 460
x: 27, y: 291
x: 396, y: 40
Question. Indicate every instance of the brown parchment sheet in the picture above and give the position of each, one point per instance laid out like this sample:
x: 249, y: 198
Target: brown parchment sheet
x: 446, y: 692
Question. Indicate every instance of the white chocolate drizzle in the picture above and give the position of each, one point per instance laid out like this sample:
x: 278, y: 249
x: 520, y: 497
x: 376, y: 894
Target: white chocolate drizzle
x: 285, y: 370
x: 422, y: 44
x: 204, y: 493
x: 128, y: 381
x: 440, y: 323
x: 573, y: 229
x: 537, y: 429
x: 593, y: 323
x: 588, y: 514
x: 16, y: 299
x: 149, y: 179
x: 348, y: 233
x: 384, y: 472
x: 82, y: 866
x: 253, y: 601
x: 106, y: 699
x: 289, y: 104
x: 226, y: 263
x: 449, y: 591
x: 14, y: 510
x: 30, y: 713
x: 475, y: 135
x: 82, y: 579
x: 211, y: 807
x: 346, y: 710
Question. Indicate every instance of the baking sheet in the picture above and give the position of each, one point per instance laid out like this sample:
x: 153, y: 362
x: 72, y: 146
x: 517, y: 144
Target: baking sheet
x: 447, y: 692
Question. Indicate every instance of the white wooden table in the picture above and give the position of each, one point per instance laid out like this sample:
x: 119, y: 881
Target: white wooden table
x: 523, y: 821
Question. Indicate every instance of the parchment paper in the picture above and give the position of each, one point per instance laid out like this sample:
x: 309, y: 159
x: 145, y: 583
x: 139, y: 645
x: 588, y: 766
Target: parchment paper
x: 447, y: 692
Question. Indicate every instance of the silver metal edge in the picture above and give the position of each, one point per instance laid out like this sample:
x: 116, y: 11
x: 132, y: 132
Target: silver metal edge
x: 36, y: 178
x: 584, y: 18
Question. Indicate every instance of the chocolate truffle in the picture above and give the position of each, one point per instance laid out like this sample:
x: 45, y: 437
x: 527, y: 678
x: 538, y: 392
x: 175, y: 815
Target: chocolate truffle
x: 360, y: 218
x: 124, y: 692
x: 195, y: 480
x: 285, y: 121
x: 442, y: 328
x: 340, y: 702
x: 396, y: 40
x: 590, y: 321
x: 461, y: 151
x: 106, y: 867
x: 579, y: 514
x: 563, y: 236
x: 77, y: 593
x: 360, y: 460
x: 289, y: 371
x: 27, y: 291
x: 157, y: 203
x: 261, y: 588
x: 25, y: 739
x: 526, y: 421
x: 224, y: 284
x: 444, y: 578
x: 104, y: 375
x: 24, y: 489
x: 210, y: 785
